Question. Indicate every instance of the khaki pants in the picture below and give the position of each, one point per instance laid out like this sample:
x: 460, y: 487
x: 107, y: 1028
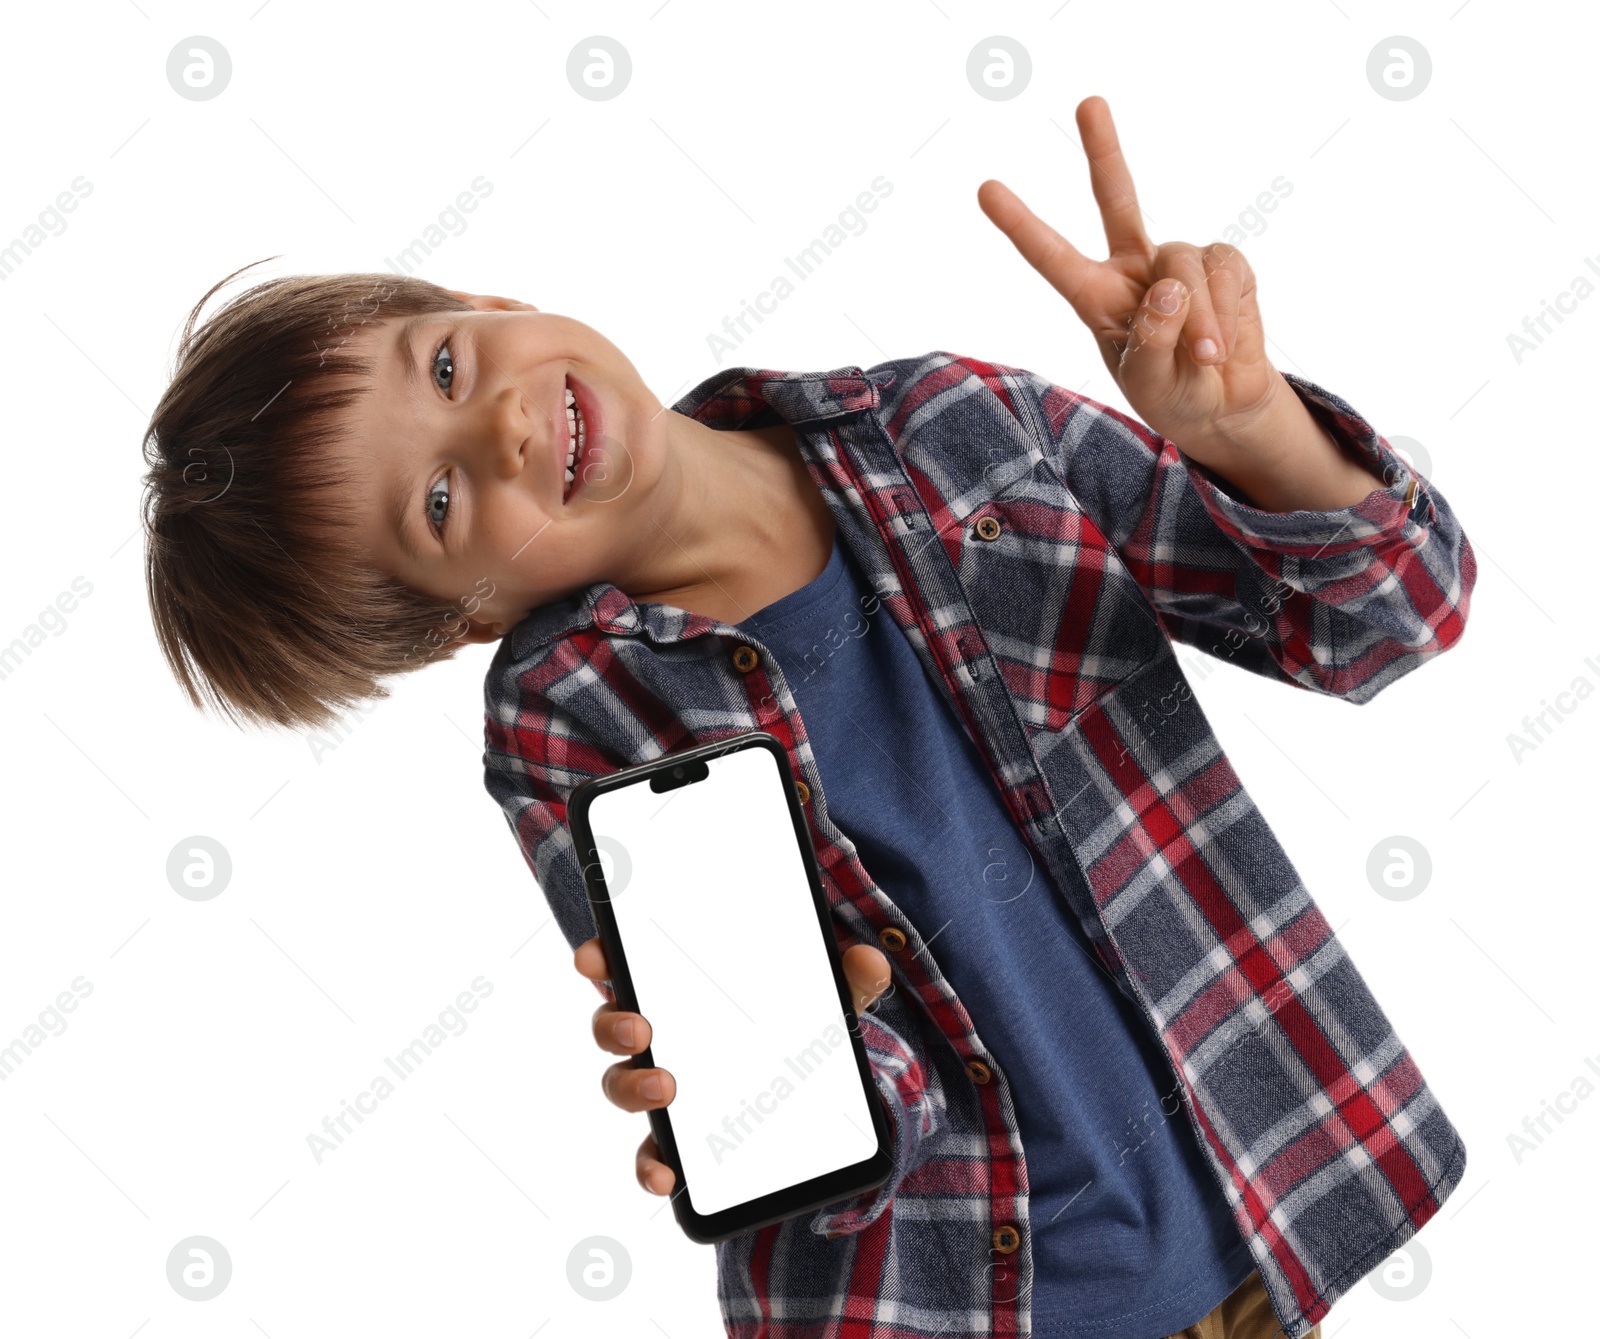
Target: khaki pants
x: 1245, y: 1313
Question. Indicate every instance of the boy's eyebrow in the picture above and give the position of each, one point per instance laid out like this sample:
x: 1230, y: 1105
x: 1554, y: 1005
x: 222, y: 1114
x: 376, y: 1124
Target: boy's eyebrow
x: 399, y: 511
x: 410, y: 371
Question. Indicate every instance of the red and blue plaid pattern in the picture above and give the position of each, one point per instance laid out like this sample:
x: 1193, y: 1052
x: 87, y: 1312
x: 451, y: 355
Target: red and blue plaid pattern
x: 1052, y: 640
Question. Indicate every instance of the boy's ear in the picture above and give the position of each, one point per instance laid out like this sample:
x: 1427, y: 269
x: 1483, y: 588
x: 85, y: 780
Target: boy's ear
x: 483, y: 302
x: 480, y: 632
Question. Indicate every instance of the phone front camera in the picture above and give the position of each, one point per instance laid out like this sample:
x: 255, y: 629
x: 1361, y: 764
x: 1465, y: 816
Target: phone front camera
x: 677, y: 771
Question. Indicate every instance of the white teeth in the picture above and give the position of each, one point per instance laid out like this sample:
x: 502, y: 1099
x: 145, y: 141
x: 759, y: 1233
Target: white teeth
x: 575, y: 433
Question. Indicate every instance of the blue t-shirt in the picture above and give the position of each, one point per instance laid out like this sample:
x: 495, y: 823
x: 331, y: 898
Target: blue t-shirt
x: 1132, y: 1238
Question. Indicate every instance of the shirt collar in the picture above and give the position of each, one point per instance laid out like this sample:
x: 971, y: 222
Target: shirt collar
x: 737, y: 397
x: 752, y: 397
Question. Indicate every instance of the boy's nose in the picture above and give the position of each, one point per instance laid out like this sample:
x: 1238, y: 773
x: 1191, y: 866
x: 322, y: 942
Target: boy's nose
x: 514, y: 432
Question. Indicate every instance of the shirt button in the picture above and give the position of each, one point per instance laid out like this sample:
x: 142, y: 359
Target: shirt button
x: 891, y: 938
x: 1006, y: 1239
x: 802, y: 790
x: 745, y: 659
x: 977, y: 1071
x: 988, y: 528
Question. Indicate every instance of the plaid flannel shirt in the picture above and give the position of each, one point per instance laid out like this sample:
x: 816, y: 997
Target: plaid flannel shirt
x: 1041, y: 551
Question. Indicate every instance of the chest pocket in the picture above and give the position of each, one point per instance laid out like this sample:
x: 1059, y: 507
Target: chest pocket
x: 1064, y: 618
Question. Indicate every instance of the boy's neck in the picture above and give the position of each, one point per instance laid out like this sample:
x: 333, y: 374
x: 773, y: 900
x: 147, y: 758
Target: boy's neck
x: 744, y: 523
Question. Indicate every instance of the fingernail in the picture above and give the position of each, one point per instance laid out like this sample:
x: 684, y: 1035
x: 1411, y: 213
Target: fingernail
x: 1167, y: 300
x: 625, y: 1032
x: 1206, y: 348
x: 651, y: 1088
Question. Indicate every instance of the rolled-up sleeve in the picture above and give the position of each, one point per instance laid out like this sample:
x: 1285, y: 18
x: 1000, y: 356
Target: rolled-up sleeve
x: 1341, y: 602
x: 901, y: 1081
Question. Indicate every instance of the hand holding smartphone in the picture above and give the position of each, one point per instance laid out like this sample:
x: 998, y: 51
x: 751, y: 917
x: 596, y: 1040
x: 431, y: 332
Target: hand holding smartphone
x: 711, y: 915
x: 865, y: 968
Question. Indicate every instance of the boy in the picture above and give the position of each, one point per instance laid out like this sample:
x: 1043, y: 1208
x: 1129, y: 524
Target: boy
x: 969, y: 578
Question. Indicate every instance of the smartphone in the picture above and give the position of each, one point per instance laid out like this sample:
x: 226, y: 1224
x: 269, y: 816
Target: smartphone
x: 709, y: 902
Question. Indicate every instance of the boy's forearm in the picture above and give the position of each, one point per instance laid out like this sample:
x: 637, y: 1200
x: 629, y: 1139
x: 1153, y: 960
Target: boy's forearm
x: 1286, y: 461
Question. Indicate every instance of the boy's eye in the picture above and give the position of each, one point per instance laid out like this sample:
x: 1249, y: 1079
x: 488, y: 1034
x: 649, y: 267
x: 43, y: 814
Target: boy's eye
x: 438, y: 502
x: 444, y: 368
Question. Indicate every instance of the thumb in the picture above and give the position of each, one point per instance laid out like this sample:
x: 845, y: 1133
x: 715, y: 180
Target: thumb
x: 1146, y: 369
x: 867, y: 971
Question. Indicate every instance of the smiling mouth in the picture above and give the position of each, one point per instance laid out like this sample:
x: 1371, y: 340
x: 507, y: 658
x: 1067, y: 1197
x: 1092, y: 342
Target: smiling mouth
x: 577, y: 439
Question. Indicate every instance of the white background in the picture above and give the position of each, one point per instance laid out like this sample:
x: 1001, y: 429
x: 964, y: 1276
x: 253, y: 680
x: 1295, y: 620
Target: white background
x: 374, y: 881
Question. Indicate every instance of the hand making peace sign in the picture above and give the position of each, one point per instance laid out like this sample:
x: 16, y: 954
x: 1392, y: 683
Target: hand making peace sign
x: 1199, y: 374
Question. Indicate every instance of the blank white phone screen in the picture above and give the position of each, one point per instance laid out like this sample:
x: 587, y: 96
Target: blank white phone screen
x: 730, y: 969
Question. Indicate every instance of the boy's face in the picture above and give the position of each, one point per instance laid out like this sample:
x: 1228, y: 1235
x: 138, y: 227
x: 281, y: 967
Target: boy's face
x: 459, y: 452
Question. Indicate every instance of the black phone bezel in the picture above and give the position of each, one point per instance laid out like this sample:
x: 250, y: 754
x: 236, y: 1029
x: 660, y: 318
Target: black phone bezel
x: 804, y: 1196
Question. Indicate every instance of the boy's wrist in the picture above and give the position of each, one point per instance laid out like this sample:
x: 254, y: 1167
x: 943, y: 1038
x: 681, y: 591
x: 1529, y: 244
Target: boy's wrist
x: 1285, y: 460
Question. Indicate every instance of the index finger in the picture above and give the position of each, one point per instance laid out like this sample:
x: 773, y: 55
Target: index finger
x: 1111, y: 181
x: 1067, y: 269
